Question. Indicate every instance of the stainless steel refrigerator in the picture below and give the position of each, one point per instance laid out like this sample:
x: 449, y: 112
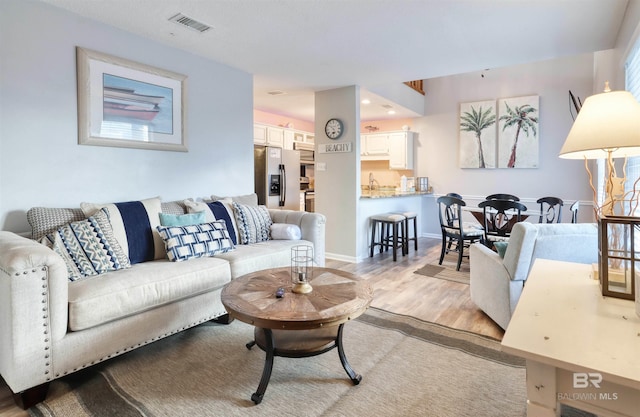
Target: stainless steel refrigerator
x: 277, y: 177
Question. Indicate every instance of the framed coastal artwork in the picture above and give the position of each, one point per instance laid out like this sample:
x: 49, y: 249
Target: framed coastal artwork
x: 127, y: 104
x: 477, y: 125
x: 518, y: 141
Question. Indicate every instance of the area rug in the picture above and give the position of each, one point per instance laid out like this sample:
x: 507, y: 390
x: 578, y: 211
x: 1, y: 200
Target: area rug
x: 409, y: 367
x: 447, y: 270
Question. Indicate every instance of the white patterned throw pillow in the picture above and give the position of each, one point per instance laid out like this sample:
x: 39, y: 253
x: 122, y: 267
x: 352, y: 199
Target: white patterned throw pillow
x: 134, y: 226
x: 216, y: 210
x: 195, y: 241
x: 88, y: 247
x: 254, y: 223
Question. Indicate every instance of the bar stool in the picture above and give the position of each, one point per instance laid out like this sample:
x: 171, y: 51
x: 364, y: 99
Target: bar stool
x: 409, y: 215
x: 391, y: 233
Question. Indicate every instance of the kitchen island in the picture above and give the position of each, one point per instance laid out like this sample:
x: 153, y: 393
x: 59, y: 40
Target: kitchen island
x: 385, y: 201
x: 391, y: 194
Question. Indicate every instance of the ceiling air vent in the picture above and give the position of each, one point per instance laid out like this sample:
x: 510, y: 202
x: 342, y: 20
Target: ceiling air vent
x: 189, y: 22
x: 276, y: 92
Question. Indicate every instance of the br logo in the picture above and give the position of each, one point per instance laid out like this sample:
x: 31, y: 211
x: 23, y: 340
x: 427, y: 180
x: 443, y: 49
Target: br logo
x: 584, y: 379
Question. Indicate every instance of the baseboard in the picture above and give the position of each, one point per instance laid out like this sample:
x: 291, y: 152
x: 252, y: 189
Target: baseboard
x: 432, y: 235
x: 343, y: 258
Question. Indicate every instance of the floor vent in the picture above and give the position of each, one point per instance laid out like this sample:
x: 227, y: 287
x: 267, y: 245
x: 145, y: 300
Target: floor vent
x: 190, y: 23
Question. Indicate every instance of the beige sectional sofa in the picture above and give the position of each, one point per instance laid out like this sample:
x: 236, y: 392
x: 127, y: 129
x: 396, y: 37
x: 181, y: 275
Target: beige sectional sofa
x: 52, y: 326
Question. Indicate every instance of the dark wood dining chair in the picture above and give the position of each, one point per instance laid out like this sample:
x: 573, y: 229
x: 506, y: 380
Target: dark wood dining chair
x: 509, y: 197
x: 452, y: 215
x: 550, y: 209
x: 499, y: 217
x: 454, y: 229
x: 574, y: 211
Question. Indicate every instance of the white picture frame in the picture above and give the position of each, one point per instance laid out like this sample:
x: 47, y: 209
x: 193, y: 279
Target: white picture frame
x: 122, y: 103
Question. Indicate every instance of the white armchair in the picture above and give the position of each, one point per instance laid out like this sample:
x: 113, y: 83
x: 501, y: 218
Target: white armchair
x: 496, y: 283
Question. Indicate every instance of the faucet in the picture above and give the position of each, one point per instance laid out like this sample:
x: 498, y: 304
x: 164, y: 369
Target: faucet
x: 371, y: 181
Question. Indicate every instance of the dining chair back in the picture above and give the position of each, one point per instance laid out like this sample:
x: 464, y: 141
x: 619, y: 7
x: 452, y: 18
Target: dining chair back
x: 499, y: 217
x: 450, y: 212
x: 509, y: 197
x: 454, y: 230
x: 574, y: 211
x: 550, y: 209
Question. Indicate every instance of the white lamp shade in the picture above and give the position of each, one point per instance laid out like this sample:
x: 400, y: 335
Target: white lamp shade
x: 606, y: 122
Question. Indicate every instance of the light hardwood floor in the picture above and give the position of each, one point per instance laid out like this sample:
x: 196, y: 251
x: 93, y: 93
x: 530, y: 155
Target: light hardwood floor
x: 396, y: 289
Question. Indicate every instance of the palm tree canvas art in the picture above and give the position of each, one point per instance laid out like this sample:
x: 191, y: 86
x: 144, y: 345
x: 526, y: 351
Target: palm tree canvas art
x: 518, y: 142
x: 478, y: 134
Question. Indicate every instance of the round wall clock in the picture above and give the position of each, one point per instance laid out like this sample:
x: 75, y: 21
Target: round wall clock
x: 333, y: 129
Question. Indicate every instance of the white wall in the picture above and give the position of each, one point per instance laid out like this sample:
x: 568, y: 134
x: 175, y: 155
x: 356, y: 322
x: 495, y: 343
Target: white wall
x: 41, y: 163
x: 338, y: 187
x: 437, y: 148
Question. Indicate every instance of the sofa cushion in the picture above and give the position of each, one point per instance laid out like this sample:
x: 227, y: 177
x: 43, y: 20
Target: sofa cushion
x: 168, y: 219
x: 284, y: 231
x: 45, y: 220
x: 174, y: 207
x: 144, y: 286
x: 501, y: 248
x: 248, y: 199
x: 256, y: 256
x: 134, y: 225
x: 254, y: 223
x: 217, y: 210
x: 187, y: 242
x: 88, y: 247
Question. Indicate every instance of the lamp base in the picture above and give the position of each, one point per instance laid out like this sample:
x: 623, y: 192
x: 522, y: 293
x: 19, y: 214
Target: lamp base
x: 302, y: 288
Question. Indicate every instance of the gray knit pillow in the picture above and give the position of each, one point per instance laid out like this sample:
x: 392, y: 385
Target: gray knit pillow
x: 45, y: 220
x: 174, y: 207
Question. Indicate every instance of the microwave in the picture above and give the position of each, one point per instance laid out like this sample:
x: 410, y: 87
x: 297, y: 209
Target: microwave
x: 307, y: 151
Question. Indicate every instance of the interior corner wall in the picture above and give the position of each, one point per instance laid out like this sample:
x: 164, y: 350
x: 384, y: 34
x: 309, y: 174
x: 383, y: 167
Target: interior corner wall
x: 438, y: 142
x: 41, y: 163
x: 337, y: 187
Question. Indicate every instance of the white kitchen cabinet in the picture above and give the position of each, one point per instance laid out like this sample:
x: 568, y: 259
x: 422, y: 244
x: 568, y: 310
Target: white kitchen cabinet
x: 298, y: 136
x: 259, y: 134
x: 280, y: 137
x: 374, y: 147
x: 377, y: 144
x: 275, y: 136
x: 401, y: 150
x: 289, y: 138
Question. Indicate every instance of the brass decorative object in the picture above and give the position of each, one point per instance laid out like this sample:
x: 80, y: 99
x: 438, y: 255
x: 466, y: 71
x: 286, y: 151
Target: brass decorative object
x: 301, y: 269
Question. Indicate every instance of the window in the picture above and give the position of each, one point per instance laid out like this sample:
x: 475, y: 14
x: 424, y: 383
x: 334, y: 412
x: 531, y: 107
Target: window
x: 632, y: 84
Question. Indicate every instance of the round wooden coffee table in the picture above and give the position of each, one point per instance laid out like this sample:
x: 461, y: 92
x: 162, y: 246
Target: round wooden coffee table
x: 297, y: 325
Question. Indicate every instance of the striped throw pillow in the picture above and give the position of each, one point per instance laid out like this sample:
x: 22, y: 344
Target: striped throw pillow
x: 254, y: 223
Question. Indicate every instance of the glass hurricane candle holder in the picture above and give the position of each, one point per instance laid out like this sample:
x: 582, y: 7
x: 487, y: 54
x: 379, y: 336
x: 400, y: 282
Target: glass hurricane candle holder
x: 301, y: 268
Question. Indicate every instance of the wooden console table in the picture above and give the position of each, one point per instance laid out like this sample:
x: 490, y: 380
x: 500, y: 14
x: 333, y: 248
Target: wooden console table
x: 581, y: 349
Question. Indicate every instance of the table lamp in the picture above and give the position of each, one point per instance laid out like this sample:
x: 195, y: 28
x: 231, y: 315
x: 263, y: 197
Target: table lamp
x: 608, y: 126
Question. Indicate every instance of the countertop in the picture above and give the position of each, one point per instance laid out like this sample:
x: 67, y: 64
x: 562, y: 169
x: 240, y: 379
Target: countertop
x: 391, y: 194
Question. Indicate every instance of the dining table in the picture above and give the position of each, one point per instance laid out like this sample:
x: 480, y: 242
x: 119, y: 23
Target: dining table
x: 478, y: 214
